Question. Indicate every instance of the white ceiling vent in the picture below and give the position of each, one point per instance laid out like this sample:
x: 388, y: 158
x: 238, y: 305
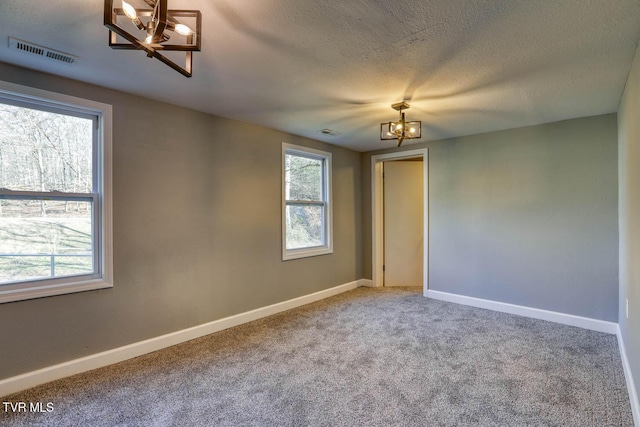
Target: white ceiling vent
x: 45, y: 52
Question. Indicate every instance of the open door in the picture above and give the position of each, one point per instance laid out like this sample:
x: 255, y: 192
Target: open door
x: 403, y: 195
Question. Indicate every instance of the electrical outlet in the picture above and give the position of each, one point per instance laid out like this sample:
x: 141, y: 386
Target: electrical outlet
x: 626, y: 307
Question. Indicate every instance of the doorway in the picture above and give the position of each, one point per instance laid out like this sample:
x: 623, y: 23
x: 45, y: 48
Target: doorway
x: 378, y: 214
x: 403, y: 212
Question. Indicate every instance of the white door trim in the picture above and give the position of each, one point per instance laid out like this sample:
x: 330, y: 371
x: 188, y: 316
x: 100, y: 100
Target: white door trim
x: 377, y: 213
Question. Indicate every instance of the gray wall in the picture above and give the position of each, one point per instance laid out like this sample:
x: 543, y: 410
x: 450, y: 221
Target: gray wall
x: 525, y: 216
x: 629, y: 212
x: 196, y: 219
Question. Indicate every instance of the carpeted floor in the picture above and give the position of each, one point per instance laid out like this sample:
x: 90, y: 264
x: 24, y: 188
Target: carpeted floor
x: 385, y: 357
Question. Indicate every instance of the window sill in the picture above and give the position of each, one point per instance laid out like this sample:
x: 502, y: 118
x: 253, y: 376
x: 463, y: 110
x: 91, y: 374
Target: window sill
x: 306, y: 252
x: 26, y: 293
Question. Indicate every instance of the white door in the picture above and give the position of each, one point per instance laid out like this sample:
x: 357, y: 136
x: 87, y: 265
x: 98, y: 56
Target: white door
x: 403, y: 223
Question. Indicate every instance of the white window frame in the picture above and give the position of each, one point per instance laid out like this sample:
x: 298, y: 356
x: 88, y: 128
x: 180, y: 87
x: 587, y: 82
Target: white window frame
x: 101, y: 197
x: 327, y: 248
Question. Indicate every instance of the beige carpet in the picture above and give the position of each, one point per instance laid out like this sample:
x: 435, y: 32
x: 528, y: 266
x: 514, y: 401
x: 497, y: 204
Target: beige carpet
x: 386, y: 357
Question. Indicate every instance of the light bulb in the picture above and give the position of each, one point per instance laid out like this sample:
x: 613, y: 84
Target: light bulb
x: 183, y: 29
x: 412, y: 130
x: 399, y: 125
x: 148, y: 39
x: 129, y: 10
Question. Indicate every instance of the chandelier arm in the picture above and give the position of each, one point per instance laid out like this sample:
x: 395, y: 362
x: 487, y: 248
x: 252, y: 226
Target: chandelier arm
x: 152, y: 4
x: 186, y: 71
x: 138, y: 23
x: 135, y: 42
x: 158, y: 22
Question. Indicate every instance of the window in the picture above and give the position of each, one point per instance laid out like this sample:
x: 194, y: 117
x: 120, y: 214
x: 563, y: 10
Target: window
x: 306, y: 194
x: 55, y: 198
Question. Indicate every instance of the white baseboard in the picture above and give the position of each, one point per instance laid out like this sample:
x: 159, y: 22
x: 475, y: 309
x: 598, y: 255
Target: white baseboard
x: 631, y: 386
x: 536, y: 313
x: 109, y: 357
x: 367, y: 283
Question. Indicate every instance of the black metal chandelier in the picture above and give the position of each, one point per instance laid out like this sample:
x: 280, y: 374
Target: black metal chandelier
x: 401, y: 129
x: 156, y: 30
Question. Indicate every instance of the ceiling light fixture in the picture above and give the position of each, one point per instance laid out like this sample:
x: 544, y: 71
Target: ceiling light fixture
x: 153, y: 28
x: 401, y: 129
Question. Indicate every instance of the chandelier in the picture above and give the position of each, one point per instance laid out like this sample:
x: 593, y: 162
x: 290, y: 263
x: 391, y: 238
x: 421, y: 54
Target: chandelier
x: 155, y: 30
x: 401, y: 129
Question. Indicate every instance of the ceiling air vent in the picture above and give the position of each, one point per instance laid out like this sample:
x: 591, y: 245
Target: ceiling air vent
x: 45, y: 52
x: 329, y: 132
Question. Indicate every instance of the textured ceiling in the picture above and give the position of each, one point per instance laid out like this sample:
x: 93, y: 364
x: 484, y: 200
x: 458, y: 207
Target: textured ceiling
x: 465, y: 66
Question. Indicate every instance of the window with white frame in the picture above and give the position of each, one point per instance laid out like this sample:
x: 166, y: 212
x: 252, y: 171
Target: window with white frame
x: 306, y: 199
x: 55, y: 201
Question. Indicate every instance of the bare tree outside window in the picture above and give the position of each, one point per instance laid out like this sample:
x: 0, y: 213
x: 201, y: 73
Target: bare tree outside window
x: 44, y: 152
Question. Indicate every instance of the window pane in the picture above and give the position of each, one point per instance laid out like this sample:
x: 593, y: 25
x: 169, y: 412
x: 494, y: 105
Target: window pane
x: 303, y: 178
x: 42, y: 151
x: 41, y: 239
x: 305, y: 225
